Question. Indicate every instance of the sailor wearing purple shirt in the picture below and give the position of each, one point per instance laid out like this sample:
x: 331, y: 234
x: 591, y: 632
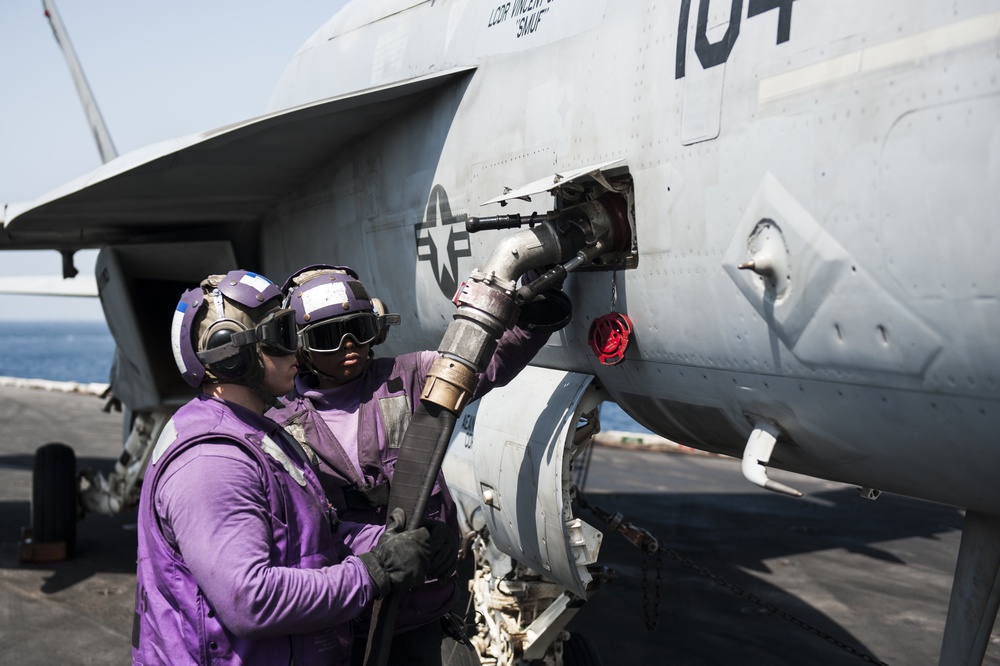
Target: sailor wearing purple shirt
x: 241, y: 560
x: 351, y: 411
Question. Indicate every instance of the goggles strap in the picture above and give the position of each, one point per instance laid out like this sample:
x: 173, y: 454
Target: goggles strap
x: 230, y: 349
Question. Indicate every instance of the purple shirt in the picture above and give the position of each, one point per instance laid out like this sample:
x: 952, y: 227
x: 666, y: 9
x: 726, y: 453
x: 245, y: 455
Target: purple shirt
x: 223, y: 531
x: 238, y: 561
x: 338, y: 407
x: 363, y: 455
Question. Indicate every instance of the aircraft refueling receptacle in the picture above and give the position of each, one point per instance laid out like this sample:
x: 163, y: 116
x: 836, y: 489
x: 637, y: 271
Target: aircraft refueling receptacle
x: 489, y: 303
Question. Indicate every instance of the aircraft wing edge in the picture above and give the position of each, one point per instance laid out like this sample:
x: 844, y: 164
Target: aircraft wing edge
x: 49, y: 285
x: 151, y: 161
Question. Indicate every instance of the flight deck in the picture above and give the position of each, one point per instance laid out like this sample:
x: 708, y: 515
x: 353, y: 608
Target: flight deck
x: 745, y: 576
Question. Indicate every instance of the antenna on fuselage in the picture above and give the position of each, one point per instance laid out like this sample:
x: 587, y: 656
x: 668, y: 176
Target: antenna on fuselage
x: 97, y: 126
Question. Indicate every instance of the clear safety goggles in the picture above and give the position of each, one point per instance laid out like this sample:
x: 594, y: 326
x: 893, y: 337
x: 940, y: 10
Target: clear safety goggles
x: 328, y: 336
x: 277, y: 333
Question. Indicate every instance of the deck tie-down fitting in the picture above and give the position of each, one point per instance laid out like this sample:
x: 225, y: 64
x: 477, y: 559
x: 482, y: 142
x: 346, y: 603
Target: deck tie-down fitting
x: 757, y: 454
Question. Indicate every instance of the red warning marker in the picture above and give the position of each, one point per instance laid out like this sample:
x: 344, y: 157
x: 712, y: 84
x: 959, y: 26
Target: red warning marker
x: 609, y: 337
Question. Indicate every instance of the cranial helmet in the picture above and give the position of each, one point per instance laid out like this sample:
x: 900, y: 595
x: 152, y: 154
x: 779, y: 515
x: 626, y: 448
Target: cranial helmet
x: 221, y: 327
x: 331, y: 304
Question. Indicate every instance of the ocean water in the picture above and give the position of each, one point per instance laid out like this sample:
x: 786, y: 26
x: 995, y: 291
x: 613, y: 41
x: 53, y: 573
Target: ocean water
x: 60, y: 351
x: 613, y: 418
x: 83, y: 352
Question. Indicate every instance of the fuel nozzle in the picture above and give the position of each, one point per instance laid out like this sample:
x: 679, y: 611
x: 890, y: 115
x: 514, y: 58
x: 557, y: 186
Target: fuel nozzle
x: 603, y: 226
x: 489, y: 303
x: 513, y: 221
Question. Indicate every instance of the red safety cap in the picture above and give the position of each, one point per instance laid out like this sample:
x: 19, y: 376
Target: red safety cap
x: 609, y: 337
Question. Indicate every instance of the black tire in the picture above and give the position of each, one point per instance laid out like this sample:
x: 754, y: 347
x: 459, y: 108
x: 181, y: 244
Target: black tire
x: 53, y: 496
x: 579, y: 651
x: 456, y: 654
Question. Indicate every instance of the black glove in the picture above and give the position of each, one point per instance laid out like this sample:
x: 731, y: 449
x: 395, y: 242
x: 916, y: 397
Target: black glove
x: 444, y: 549
x: 399, y: 559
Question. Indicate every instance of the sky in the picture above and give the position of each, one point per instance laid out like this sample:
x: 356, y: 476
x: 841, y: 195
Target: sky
x: 158, y: 71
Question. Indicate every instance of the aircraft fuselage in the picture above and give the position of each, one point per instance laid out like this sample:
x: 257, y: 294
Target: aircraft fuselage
x: 852, y: 143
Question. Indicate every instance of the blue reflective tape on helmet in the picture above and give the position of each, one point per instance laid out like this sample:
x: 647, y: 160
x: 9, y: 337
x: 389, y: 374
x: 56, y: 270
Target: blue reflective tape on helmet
x: 256, y: 297
x: 185, y: 357
x: 175, y: 336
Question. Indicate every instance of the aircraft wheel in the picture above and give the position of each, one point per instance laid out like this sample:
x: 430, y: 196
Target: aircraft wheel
x: 579, y: 651
x: 53, y: 496
x: 456, y: 654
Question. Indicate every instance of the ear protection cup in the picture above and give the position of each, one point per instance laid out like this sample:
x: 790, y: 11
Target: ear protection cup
x: 380, y: 310
x: 235, y: 366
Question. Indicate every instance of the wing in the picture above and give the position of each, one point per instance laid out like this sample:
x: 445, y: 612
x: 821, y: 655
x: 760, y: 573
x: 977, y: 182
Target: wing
x: 234, y: 174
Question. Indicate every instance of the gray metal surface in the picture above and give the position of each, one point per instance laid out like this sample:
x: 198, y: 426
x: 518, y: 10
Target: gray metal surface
x: 518, y: 471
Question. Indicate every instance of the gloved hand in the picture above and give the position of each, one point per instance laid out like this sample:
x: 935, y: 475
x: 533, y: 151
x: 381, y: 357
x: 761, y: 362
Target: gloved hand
x: 399, y: 559
x: 444, y: 549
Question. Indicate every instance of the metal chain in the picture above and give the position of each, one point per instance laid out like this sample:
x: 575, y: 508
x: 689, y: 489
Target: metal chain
x: 614, y: 290
x: 651, y: 618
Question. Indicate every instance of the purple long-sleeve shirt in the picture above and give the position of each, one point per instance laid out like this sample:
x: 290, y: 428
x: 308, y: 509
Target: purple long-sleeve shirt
x: 223, y: 531
x: 240, y: 557
x: 357, y: 428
